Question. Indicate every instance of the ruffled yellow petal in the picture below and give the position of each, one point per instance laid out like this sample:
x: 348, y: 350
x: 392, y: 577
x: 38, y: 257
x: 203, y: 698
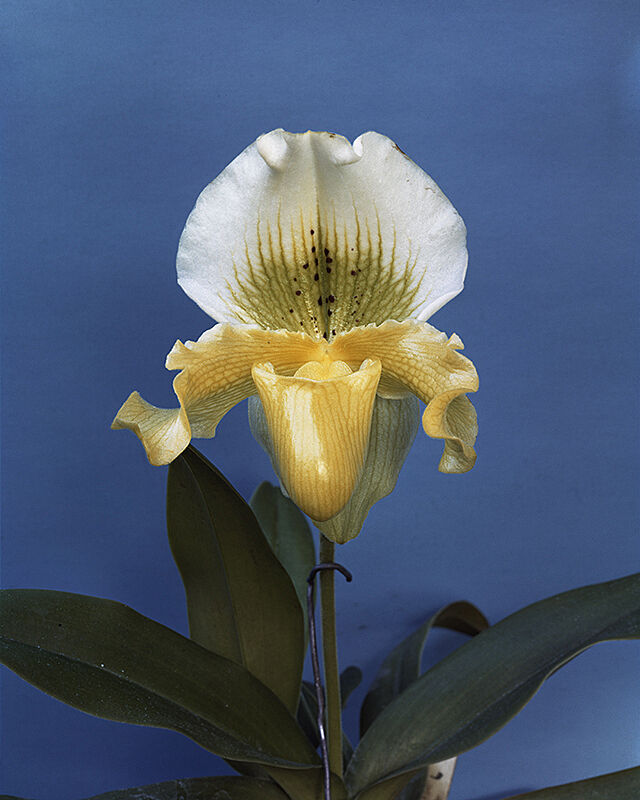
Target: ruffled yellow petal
x: 215, y: 376
x: 418, y: 358
x: 318, y: 429
x: 164, y: 432
x: 393, y: 428
x: 453, y: 418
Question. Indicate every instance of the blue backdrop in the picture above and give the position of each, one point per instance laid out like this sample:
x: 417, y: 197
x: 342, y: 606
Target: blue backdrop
x: 115, y: 117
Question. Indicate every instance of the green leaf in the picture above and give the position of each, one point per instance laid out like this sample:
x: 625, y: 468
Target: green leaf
x: 473, y: 692
x: 350, y: 679
x: 104, y: 658
x: 307, y: 784
x: 224, y: 788
x: 403, y: 665
x: 10, y: 797
x: 308, y: 713
x: 287, y: 531
x: 624, y: 785
x: 393, y: 788
x: 240, y: 600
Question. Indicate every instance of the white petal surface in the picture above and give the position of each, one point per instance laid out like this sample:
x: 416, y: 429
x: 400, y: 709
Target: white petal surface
x: 307, y: 232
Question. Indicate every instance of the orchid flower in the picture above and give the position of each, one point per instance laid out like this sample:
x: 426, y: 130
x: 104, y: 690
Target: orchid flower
x: 321, y: 261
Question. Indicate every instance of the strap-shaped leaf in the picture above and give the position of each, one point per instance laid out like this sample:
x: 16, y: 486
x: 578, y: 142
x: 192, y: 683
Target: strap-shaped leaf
x: 403, y: 664
x: 391, y: 788
x: 225, y: 788
x: 289, y: 535
x: 350, y: 679
x: 241, y: 602
x: 400, y: 669
x: 308, y: 712
x: 624, y: 785
x: 473, y: 692
x: 307, y: 784
x: 104, y: 658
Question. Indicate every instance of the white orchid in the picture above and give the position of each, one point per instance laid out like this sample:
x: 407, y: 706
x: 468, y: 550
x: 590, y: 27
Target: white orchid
x: 321, y: 262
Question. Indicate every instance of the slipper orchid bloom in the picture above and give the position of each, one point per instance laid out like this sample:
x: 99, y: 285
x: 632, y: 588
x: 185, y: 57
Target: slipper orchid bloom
x: 321, y: 261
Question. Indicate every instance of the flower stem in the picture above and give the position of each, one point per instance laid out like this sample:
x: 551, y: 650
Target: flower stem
x: 330, y: 658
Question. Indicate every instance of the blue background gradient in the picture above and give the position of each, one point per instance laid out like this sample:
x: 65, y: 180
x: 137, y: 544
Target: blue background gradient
x: 115, y: 116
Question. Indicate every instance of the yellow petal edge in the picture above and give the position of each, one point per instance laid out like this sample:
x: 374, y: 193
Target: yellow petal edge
x: 215, y: 376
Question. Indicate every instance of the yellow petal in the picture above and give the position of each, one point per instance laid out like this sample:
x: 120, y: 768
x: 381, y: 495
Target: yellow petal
x: 393, y: 428
x: 164, y: 432
x: 309, y: 232
x: 318, y: 430
x: 215, y: 376
x: 452, y: 417
x: 418, y: 358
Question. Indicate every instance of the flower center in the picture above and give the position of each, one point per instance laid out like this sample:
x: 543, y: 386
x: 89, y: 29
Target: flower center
x: 323, y: 370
